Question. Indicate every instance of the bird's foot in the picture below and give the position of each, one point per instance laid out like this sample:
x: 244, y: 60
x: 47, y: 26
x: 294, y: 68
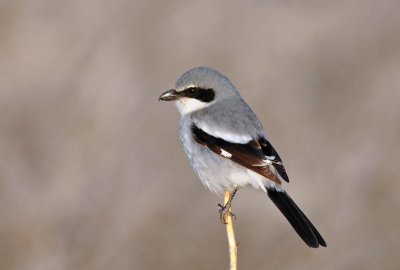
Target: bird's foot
x: 224, y: 212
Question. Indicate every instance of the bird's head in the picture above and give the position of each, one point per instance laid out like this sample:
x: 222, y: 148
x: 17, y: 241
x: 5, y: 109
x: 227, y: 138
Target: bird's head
x: 199, y: 88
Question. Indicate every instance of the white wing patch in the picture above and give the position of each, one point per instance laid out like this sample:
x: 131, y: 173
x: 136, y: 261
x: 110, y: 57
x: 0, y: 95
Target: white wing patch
x: 268, y: 162
x: 225, y: 153
x: 265, y: 163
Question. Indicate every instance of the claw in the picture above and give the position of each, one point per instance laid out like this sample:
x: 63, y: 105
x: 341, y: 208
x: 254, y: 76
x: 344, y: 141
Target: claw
x: 224, y: 212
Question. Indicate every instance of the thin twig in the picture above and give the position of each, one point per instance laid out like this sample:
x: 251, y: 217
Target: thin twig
x: 231, y: 235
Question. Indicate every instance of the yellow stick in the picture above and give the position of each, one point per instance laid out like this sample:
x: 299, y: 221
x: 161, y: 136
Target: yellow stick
x: 231, y: 235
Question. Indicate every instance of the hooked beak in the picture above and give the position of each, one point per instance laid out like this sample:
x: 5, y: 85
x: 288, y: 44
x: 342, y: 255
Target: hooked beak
x: 169, y: 95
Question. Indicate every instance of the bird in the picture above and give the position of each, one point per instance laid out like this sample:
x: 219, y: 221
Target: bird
x: 228, y: 148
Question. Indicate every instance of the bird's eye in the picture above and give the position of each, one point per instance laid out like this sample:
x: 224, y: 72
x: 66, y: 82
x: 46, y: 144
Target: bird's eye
x: 192, y: 90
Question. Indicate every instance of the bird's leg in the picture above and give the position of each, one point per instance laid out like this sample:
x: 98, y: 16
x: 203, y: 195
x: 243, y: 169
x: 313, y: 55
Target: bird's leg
x: 225, y: 209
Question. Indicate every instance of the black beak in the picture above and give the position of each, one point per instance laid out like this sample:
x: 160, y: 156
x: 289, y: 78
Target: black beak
x: 169, y: 95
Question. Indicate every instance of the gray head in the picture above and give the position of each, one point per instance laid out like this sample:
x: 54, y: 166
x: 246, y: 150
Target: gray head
x: 198, y: 88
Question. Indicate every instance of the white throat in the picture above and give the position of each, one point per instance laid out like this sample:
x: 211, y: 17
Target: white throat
x: 189, y: 105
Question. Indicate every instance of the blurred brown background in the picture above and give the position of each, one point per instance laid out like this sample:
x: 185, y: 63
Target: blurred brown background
x: 92, y: 174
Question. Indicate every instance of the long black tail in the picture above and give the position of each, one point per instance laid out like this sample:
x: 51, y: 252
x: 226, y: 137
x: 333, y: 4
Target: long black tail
x: 302, y: 225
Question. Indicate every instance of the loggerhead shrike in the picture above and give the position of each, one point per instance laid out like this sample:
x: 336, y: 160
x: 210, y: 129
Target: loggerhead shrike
x: 227, y: 146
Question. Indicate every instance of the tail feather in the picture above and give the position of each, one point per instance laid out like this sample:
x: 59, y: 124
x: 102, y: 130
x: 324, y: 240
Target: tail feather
x: 302, y: 225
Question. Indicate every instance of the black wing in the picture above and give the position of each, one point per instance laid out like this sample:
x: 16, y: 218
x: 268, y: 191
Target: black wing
x: 272, y: 155
x: 252, y: 155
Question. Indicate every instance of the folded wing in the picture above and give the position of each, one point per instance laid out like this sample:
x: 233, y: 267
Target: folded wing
x: 256, y: 155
